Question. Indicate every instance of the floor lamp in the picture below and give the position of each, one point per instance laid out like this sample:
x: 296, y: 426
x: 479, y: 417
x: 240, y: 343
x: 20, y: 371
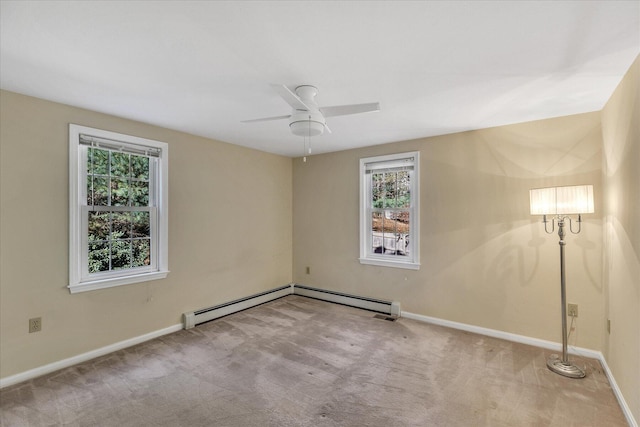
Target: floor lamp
x: 560, y: 203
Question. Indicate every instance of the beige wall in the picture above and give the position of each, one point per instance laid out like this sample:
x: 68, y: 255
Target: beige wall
x: 485, y: 260
x: 621, y: 167
x: 229, y: 234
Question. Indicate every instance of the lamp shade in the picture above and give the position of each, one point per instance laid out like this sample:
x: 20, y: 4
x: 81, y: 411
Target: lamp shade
x: 574, y: 199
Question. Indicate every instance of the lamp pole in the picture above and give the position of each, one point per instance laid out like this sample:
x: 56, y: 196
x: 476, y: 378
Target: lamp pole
x: 563, y: 366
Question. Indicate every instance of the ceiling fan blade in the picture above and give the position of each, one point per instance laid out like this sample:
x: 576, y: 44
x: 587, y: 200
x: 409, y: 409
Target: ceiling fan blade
x: 291, y: 98
x: 343, y: 110
x: 327, y: 128
x: 266, y: 119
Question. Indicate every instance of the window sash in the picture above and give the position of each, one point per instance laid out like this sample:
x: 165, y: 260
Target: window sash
x: 84, y: 244
x: 154, y: 184
x: 385, y: 235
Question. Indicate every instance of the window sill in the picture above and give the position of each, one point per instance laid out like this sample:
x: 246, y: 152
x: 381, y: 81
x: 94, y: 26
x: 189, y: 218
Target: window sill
x: 388, y: 263
x: 116, y: 281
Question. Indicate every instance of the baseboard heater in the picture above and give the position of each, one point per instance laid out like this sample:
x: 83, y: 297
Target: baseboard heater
x: 194, y: 318
x: 371, y: 304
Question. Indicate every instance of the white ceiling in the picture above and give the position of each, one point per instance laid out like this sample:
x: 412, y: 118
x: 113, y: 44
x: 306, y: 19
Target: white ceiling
x: 435, y: 67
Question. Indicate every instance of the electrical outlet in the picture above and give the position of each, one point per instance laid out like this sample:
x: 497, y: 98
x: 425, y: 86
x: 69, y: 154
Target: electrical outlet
x: 35, y: 324
x: 572, y: 310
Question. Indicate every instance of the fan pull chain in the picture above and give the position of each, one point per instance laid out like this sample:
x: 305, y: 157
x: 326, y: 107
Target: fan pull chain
x: 304, y: 149
x: 307, y: 140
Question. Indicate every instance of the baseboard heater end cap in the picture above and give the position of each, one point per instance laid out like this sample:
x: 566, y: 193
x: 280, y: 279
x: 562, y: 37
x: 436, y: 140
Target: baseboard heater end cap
x: 189, y: 320
x: 395, y: 309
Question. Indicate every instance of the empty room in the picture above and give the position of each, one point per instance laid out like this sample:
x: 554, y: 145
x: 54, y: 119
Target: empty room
x: 319, y: 213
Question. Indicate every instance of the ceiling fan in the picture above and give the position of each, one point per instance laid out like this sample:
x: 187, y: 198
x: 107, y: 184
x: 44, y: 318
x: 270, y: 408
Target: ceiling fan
x: 306, y: 118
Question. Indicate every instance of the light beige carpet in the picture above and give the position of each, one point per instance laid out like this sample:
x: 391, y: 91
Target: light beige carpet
x: 302, y: 362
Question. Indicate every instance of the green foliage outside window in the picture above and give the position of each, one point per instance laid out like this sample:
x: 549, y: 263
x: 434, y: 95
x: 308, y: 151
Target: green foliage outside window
x: 391, y: 190
x: 118, y: 239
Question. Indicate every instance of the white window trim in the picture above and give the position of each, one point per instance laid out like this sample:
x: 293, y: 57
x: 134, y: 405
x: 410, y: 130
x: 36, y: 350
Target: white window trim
x: 76, y: 182
x: 365, y: 219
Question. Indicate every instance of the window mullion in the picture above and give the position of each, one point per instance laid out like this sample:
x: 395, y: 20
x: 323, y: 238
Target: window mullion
x: 119, y: 208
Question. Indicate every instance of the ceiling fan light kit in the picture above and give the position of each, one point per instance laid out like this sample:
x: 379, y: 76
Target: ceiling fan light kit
x: 307, y: 123
x: 306, y: 118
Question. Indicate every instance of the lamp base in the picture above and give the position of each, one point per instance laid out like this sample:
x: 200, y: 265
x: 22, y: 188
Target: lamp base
x: 566, y: 369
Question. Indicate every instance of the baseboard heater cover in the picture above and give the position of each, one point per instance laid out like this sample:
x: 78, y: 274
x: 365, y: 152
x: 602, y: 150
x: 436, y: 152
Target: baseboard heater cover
x: 371, y: 304
x: 194, y: 318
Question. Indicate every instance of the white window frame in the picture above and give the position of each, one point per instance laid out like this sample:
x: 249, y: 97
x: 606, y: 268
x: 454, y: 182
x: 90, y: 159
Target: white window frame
x: 367, y: 256
x: 80, y: 280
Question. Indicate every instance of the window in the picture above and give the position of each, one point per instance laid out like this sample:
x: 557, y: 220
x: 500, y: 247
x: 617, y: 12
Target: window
x: 389, y: 210
x: 117, y: 209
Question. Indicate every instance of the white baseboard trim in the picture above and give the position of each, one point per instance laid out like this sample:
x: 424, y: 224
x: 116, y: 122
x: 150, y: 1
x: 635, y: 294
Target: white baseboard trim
x: 65, y: 363
x: 522, y: 339
x: 616, y: 390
